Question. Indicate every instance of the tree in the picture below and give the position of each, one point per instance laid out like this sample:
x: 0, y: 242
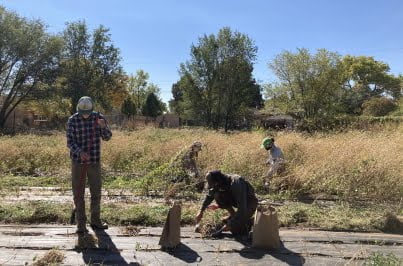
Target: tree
x: 277, y: 100
x: 216, y: 85
x: 28, y: 60
x: 366, y: 78
x: 55, y: 108
x: 90, y: 65
x: 129, y: 107
x: 117, y: 96
x: 153, y: 106
x: 176, y: 104
x: 139, y: 87
x: 309, y: 84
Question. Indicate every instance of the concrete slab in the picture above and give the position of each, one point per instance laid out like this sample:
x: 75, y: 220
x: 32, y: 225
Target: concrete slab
x: 20, y: 244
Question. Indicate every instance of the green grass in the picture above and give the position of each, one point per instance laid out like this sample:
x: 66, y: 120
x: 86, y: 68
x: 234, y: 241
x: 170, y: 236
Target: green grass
x: 136, y: 185
x: 35, y: 212
x: 380, y: 259
x: 341, y: 216
x: 13, y: 182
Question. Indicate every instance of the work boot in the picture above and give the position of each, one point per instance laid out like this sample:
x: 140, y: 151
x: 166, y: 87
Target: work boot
x: 99, y: 226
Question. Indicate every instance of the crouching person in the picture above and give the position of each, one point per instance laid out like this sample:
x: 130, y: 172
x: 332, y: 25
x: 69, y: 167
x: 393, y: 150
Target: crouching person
x: 275, y: 161
x: 185, y: 163
x: 230, y: 191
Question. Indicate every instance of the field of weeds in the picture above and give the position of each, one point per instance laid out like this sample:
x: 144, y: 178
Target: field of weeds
x: 353, y: 167
x: 356, y: 164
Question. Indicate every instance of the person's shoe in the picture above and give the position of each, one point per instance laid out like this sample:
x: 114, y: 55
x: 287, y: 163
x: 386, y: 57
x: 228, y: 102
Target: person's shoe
x: 99, y: 226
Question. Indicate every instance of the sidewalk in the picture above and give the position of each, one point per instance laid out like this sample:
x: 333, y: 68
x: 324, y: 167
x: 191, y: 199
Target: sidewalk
x: 20, y: 244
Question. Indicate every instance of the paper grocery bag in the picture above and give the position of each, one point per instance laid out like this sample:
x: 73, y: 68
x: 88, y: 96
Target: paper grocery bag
x: 170, y: 236
x: 266, y: 228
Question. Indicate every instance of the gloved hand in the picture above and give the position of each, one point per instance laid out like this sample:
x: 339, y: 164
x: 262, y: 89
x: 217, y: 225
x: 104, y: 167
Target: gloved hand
x: 213, y: 207
x: 217, y: 233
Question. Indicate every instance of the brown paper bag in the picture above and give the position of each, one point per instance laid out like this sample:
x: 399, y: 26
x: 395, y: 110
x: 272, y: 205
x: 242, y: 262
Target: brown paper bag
x: 266, y: 228
x: 170, y: 236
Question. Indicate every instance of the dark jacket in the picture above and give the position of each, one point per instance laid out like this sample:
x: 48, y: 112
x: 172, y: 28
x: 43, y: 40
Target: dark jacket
x: 242, y: 197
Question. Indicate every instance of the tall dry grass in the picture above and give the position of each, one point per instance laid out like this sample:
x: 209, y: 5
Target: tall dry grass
x: 352, y: 164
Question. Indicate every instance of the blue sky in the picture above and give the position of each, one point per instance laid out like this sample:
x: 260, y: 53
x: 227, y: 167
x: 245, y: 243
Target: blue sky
x: 156, y: 35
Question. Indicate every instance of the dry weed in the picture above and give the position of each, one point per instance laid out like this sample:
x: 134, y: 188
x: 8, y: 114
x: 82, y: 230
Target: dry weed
x: 52, y: 257
x: 362, y: 164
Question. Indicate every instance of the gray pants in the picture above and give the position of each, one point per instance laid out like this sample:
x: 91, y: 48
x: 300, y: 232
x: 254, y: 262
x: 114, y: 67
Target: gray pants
x: 93, y: 172
x: 276, y: 167
x: 225, y: 201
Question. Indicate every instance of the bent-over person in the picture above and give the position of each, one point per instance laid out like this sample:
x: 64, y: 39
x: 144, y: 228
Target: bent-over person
x: 229, y: 190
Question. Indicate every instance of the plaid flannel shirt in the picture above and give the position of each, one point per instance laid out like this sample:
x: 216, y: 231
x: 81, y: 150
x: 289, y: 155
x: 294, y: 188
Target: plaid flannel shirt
x: 79, y: 134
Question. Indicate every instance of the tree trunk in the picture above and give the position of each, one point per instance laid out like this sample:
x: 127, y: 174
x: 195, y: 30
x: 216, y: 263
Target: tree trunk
x: 2, y: 122
x: 226, y: 124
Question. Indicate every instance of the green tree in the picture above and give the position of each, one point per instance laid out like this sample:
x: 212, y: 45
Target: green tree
x: 176, y: 104
x: 139, y: 87
x: 129, y: 107
x: 366, y: 78
x: 28, y: 61
x: 54, y: 107
x: 90, y: 65
x: 153, y: 106
x: 310, y: 85
x: 216, y: 85
x: 277, y: 100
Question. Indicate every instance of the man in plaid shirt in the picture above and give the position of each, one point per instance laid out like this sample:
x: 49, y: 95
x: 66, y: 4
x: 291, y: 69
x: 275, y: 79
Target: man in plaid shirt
x: 84, y: 132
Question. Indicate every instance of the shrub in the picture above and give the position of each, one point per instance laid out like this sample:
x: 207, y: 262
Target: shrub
x: 378, y: 106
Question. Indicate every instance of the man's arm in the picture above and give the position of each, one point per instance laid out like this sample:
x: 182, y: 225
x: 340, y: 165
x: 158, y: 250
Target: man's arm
x: 207, y: 200
x: 269, y: 160
x: 71, y: 142
x: 106, y: 133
